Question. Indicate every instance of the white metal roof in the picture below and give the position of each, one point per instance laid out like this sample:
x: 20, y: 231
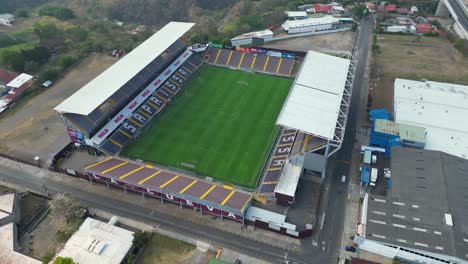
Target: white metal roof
x: 441, y: 108
x: 313, y: 21
x: 7, y: 252
x: 296, y: 13
x: 314, y: 101
x: 94, y: 93
x: 19, y: 80
x: 254, y: 213
x: 6, y: 204
x: 98, y: 242
x: 259, y: 34
x: 289, y: 178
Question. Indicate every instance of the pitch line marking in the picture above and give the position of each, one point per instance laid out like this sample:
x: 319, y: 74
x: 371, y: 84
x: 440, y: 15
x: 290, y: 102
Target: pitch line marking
x: 160, y: 97
x: 217, y: 56
x: 193, y: 65
x: 174, y: 83
x: 188, y: 186
x: 246, y: 203
x: 228, y: 197
x: 180, y: 75
x: 149, y: 177
x: 115, y: 167
x: 229, y: 58
x: 290, y: 70
x: 280, y: 156
x: 125, y: 133
x: 274, y: 169
x: 208, y: 191
x: 116, y: 143
x: 153, y: 105
x: 169, y: 181
x: 97, y: 163
x: 135, y: 122
x: 143, y: 113
x: 187, y: 70
x: 270, y: 182
x: 253, y: 62
x: 168, y: 90
x: 279, y: 65
x: 240, y: 62
x: 306, y: 142
x: 266, y: 63
x: 131, y: 172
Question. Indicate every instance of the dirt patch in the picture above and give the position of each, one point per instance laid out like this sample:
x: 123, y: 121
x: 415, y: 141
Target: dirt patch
x: 413, y: 57
x: 341, y: 41
x: 33, y: 128
x: 162, y: 249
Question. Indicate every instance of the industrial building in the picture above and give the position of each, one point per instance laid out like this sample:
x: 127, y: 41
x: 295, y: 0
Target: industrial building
x: 9, y: 217
x: 386, y: 134
x: 247, y: 38
x: 440, y: 108
x: 422, y: 217
x: 98, y: 242
x: 296, y: 15
x: 310, y: 24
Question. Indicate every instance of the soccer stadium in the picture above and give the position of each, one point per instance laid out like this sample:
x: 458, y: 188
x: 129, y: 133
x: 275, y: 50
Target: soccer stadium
x: 207, y: 126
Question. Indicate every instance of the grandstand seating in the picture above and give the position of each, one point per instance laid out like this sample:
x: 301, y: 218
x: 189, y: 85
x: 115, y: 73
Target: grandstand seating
x: 152, y: 107
x: 250, y: 61
x: 91, y: 123
x: 277, y: 159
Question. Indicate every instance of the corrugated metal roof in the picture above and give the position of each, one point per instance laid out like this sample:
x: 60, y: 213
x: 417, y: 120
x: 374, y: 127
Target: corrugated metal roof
x: 310, y: 22
x: 98, y: 242
x: 405, y: 131
x: 314, y: 101
x: 93, y: 94
x: 441, y: 108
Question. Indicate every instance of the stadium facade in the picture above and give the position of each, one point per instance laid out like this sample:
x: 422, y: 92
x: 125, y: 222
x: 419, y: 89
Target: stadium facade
x: 112, y: 108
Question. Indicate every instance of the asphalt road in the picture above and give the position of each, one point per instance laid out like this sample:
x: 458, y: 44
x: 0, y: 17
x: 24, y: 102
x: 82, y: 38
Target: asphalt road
x: 462, y: 18
x: 330, y: 236
x: 340, y: 165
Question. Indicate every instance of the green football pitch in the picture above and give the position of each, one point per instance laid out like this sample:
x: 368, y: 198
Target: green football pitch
x: 221, y: 126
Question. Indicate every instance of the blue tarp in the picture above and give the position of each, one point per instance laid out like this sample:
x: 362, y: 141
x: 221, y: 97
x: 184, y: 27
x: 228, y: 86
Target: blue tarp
x: 379, y: 114
x: 365, y: 175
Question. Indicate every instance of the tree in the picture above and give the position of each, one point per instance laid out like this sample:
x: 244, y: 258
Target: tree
x: 360, y: 11
x: 62, y: 260
x: 65, y: 61
x: 22, y: 12
x: 59, y: 12
x: 140, y: 238
x: 46, y: 30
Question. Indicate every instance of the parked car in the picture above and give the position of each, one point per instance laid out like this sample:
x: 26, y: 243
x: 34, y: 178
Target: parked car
x: 350, y: 248
x: 343, y: 178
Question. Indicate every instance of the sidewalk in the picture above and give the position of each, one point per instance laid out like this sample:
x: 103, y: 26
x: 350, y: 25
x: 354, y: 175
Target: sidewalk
x: 227, y: 255
x: 187, y: 214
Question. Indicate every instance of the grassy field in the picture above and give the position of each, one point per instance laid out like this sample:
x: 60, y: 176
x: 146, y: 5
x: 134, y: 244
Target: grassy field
x: 222, y: 125
x: 162, y: 249
x: 413, y: 57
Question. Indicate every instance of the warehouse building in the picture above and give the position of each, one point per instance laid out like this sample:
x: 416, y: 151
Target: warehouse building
x: 423, y: 216
x: 310, y: 24
x: 440, y: 108
x: 247, y: 38
x: 387, y: 134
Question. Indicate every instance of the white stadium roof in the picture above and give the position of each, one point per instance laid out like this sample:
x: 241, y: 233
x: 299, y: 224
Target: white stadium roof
x: 441, y: 108
x: 313, y: 104
x: 97, y: 91
x: 308, y: 22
